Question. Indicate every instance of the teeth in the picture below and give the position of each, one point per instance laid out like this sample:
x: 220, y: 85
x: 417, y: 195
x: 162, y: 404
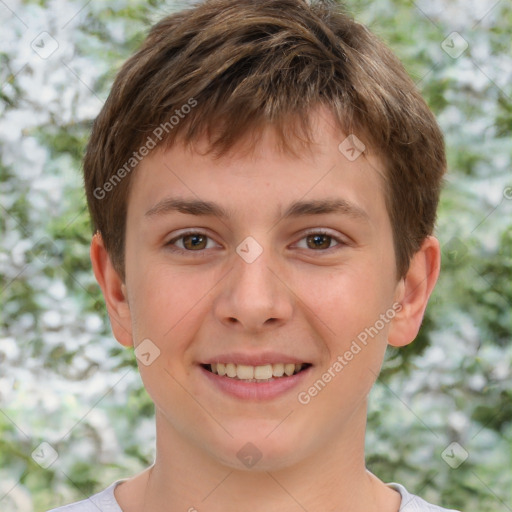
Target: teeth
x: 244, y: 372
x: 263, y: 372
x: 260, y: 373
x: 278, y: 370
x: 289, y: 369
x: 221, y: 369
x: 231, y: 370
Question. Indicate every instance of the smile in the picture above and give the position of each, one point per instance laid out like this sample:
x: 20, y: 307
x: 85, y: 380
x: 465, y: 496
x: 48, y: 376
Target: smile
x: 255, y: 383
x: 262, y: 373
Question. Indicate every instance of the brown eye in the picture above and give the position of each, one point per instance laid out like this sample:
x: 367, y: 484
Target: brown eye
x: 194, y: 241
x: 319, y: 241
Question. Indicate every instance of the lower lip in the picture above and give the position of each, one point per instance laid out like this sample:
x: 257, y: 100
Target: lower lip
x: 256, y: 390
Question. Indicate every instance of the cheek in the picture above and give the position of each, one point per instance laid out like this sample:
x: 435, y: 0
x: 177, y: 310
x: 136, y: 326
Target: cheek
x: 168, y: 310
x: 346, y: 302
x: 163, y: 298
x: 347, y: 314
x: 356, y: 342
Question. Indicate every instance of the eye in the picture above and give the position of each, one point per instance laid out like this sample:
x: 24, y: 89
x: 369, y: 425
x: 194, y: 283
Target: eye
x: 191, y: 241
x: 320, y: 240
x: 197, y: 241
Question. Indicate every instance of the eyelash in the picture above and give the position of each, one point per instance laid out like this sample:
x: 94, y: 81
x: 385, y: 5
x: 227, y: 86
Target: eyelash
x: 171, y: 247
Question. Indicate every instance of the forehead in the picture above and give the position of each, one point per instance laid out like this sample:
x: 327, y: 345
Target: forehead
x: 324, y: 177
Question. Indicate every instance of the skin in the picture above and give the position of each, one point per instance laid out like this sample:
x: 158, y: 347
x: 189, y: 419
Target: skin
x: 295, y: 298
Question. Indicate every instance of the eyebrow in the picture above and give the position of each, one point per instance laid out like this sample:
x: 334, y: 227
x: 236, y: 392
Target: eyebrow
x: 298, y: 209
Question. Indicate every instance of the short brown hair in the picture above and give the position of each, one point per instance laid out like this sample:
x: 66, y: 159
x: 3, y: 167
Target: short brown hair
x: 240, y: 65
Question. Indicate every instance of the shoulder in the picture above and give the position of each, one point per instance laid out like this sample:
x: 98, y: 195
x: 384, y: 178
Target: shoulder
x: 413, y: 503
x: 103, y: 501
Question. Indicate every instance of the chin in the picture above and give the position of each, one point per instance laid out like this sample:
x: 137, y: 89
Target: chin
x: 260, y: 448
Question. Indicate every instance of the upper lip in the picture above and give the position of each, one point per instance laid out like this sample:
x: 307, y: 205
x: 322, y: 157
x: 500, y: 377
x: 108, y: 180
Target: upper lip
x: 259, y: 359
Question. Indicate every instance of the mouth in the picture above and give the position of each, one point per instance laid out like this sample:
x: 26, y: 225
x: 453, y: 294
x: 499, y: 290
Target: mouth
x: 256, y: 374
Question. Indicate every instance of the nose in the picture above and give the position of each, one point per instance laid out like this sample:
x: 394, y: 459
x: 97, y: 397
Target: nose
x: 254, y: 297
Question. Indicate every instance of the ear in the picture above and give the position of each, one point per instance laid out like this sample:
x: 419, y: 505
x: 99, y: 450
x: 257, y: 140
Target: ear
x: 114, y: 291
x: 413, y: 292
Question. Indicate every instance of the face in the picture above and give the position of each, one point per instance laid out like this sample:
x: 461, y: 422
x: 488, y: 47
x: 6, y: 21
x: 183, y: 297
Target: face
x: 259, y: 264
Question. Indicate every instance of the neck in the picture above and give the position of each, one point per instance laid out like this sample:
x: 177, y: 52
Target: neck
x: 331, y: 478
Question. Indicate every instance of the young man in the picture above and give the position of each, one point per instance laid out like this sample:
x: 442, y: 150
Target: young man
x: 263, y: 182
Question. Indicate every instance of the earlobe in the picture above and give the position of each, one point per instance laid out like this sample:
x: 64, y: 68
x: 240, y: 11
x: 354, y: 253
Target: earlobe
x: 414, y: 291
x: 114, y: 291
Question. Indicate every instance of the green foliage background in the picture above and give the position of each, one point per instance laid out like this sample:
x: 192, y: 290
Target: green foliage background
x: 63, y: 378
